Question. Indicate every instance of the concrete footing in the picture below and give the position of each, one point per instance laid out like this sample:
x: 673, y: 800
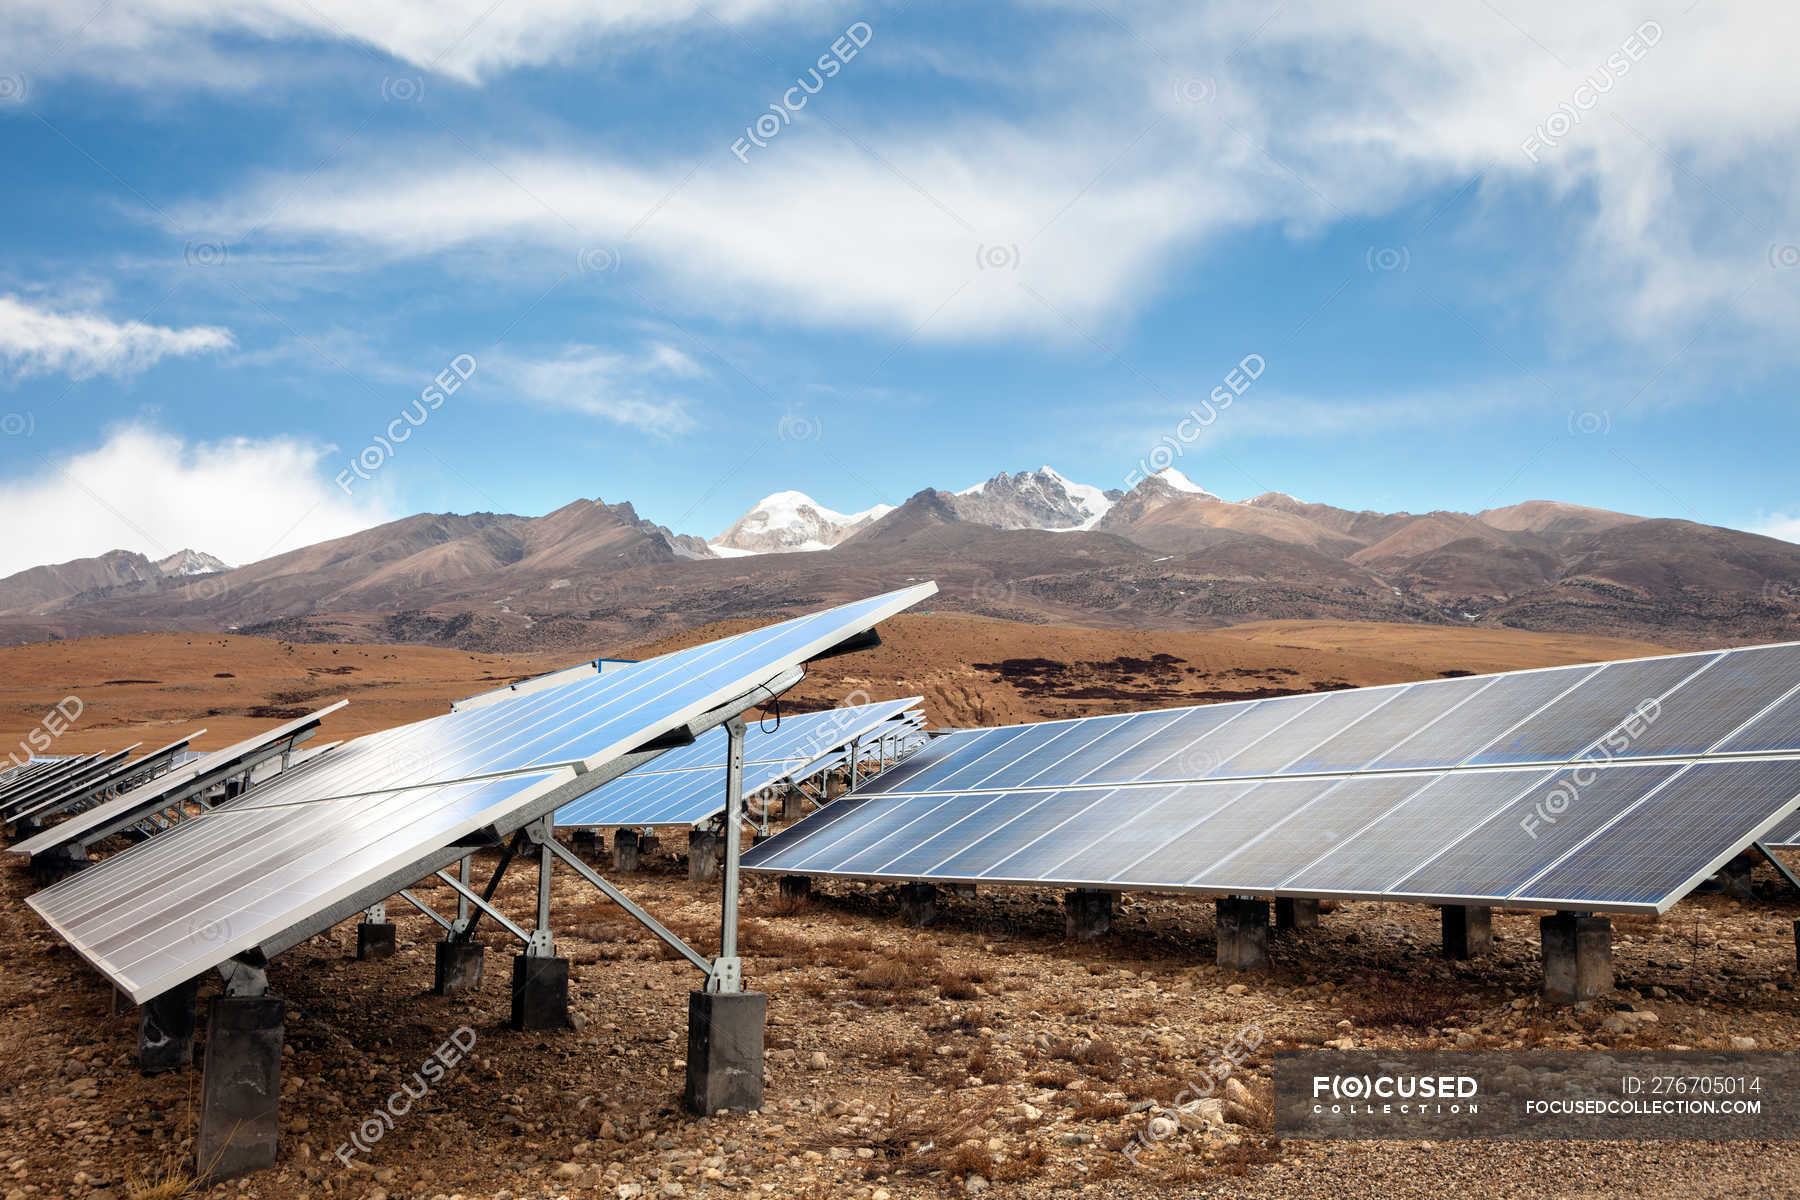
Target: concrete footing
x: 166, y: 1030
x: 1088, y: 913
x: 240, y: 1086
x: 1242, y: 925
x: 627, y: 851
x: 375, y: 939
x: 540, y: 993
x: 799, y: 887
x: 585, y: 842
x: 963, y: 891
x: 706, y: 853
x: 1468, y: 930
x: 459, y: 968
x: 724, y: 1052
x: 793, y: 805
x: 1577, y: 957
x: 919, y: 903
x: 1296, y: 914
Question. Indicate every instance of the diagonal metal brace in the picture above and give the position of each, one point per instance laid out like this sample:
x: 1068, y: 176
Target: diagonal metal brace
x: 630, y: 906
x: 481, y: 903
x: 426, y: 909
x: 1780, y: 867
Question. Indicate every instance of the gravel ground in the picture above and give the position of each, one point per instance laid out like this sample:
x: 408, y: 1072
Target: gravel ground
x: 985, y: 1054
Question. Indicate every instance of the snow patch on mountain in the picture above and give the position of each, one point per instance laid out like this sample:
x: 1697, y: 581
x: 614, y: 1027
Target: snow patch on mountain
x: 791, y: 522
x: 190, y: 562
x: 1040, y: 499
x: 1181, y: 483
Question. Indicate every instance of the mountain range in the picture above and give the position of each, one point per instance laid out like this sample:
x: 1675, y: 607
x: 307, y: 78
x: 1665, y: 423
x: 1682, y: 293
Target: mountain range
x: 1031, y: 546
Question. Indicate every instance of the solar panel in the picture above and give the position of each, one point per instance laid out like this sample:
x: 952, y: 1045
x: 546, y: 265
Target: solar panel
x: 1474, y: 790
x: 120, y: 774
x: 15, y: 807
x: 296, y: 856
x: 172, y: 789
x: 686, y: 786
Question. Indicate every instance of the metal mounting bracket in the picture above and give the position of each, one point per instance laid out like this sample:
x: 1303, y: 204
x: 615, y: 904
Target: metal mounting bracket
x: 726, y: 976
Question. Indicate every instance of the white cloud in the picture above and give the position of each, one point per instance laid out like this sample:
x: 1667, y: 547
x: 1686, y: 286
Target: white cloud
x: 146, y: 490
x: 463, y: 39
x: 1655, y: 212
x: 623, y: 388
x: 36, y: 341
x: 1779, y: 525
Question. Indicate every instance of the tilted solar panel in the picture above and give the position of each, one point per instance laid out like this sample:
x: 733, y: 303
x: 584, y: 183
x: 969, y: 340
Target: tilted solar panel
x: 1475, y: 790
x: 686, y: 786
x: 296, y: 856
x: 169, y: 789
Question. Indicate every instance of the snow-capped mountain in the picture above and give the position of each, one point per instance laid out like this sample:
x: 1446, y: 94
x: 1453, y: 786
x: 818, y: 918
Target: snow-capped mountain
x: 1181, y: 483
x: 190, y: 562
x: 791, y: 521
x: 1040, y: 499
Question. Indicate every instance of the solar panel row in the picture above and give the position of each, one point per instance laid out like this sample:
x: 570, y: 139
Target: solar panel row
x: 687, y: 786
x: 167, y: 791
x: 1474, y: 790
x: 1736, y: 702
x: 317, y: 845
x: 1634, y: 839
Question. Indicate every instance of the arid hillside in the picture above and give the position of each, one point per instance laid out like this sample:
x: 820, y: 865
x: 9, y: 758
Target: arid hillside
x: 971, y: 670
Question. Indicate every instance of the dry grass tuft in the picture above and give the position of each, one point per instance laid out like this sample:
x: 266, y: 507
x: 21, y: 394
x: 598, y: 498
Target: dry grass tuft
x: 954, y: 985
x: 887, y: 975
x: 1407, y: 1006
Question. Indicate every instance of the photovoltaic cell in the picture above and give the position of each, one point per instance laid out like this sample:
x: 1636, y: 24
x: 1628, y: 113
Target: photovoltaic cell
x: 1181, y: 806
x: 1579, y: 719
x: 692, y: 791
x: 1319, y: 723
x: 1030, y: 818
x: 1654, y: 851
x: 1245, y: 813
x: 1122, y: 813
x: 1432, y: 809
x: 1201, y: 759
x: 1471, y: 725
x: 1502, y: 854
x: 1337, y: 811
x: 1775, y: 730
x: 1379, y: 731
x: 1702, y: 712
x: 1118, y: 735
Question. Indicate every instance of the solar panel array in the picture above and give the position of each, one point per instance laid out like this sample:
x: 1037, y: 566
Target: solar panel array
x: 687, y: 786
x: 123, y: 772
x: 151, y: 805
x: 1614, y: 786
x: 319, y: 844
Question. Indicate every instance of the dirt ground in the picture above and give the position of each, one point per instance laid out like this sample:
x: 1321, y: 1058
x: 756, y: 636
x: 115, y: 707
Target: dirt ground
x: 987, y: 1053
x: 984, y: 1053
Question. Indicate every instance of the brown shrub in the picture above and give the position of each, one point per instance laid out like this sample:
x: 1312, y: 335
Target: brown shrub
x: 954, y: 985
x: 1410, y: 1006
x: 886, y: 975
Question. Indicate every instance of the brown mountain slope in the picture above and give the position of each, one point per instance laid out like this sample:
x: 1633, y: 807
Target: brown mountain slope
x: 40, y: 587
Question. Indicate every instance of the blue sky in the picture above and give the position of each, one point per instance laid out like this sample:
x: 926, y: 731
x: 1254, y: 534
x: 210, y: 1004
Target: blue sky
x: 1487, y: 252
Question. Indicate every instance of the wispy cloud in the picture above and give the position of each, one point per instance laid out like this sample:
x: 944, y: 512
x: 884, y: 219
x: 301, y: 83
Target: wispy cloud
x: 466, y: 40
x: 629, y: 388
x: 1779, y: 525
x: 38, y: 341
x: 151, y: 491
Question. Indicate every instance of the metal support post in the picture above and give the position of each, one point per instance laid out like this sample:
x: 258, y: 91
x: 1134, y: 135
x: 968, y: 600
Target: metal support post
x: 727, y: 974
